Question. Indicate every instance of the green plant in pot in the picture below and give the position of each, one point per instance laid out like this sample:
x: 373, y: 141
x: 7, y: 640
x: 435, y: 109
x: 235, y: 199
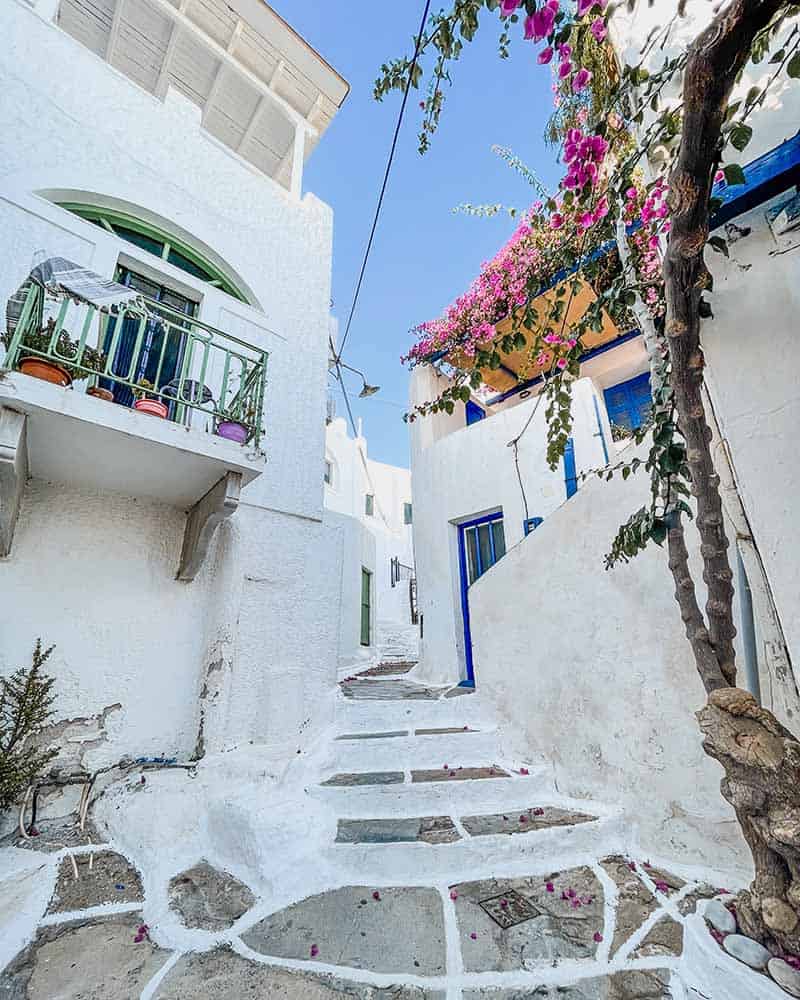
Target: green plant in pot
x: 237, y: 424
x: 70, y: 363
x: 145, y: 402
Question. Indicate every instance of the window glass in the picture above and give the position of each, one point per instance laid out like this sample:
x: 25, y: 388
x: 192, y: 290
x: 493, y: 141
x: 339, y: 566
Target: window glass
x: 139, y: 239
x: 369, y: 504
x: 328, y: 472
x: 484, y: 547
x: 408, y: 513
x: 499, y: 538
x: 472, y: 554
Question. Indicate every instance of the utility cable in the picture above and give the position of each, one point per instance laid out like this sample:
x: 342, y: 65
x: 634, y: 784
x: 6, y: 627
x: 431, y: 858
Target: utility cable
x: 417, y: 48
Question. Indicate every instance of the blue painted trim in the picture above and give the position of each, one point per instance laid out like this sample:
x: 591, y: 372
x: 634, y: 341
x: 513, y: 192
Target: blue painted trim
x: 593, y: 353
x: 531, y: 524
x: 474, y: 413
x: 765, y: 177
x: 600, y: 433
x: 462, y: 566
x: 570, y: 473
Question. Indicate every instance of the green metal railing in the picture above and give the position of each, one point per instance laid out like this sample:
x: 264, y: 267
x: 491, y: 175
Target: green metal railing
x: 211, y: 371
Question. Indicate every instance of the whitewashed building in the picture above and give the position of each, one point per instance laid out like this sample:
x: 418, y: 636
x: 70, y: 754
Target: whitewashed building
x: 372, y: 502
x: 591, y: 667
x: 188, y: 580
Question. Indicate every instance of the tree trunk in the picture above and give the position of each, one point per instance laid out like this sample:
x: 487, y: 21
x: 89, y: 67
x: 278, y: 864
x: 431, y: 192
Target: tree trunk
x: 760, y: 758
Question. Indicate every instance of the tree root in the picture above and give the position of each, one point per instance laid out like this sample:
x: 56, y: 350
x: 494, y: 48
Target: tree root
x: 761, y: 760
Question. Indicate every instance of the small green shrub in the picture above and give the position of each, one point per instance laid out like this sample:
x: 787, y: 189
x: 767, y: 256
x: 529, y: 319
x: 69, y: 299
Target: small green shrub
x: 25, y: 706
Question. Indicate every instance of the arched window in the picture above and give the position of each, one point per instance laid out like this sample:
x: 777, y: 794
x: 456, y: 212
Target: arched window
x: 156, y: 241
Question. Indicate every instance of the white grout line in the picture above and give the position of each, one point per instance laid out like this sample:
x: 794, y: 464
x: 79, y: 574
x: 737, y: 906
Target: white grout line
x: 149, y: 991
x: 461, y: 828
x: 454, y: 959
x: 103, y: 910
x: 610, y: 901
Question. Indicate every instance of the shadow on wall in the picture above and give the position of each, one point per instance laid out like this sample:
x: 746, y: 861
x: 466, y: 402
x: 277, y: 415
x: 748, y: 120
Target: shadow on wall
x: 591, y: 668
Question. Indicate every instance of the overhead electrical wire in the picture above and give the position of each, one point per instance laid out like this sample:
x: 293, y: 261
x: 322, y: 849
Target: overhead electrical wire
x: 418, y: 46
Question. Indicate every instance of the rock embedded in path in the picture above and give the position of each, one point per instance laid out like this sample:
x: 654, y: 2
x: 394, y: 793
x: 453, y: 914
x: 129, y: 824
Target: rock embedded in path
x: 635, y: 903
x: 401, y: 932
x: 785, y: 976
x: 720, y: 917
x: 556, y: 929
x: 90, y: 960
x: 208, y: 898
x: 645, y: 984
x: 665, y: 937
x: 224, y: 975
x: 746, y: 950
x: 535, y: 819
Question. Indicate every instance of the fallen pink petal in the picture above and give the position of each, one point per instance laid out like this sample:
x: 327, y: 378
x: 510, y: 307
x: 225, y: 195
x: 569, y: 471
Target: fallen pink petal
x: 598, y: 937
x: 314, y: 951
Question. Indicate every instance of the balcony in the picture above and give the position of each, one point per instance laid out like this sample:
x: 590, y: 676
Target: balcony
x: 109, y: 390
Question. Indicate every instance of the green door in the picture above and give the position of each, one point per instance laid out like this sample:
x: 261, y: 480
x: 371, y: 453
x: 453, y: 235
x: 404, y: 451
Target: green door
x: 366, y: 588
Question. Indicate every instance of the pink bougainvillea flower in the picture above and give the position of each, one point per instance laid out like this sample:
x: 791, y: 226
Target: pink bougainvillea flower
x: 564, y: 52
x: 550, y: 887
x: 584, y: 6
x: 314, y: 951
x: 581, y: 79
x: 474, y: 936
x: 556, y: 220
x: 507, y: 7
x: 723, y: 892
x: 504, y: 903
x: 445, y: 767
x: 586, y: 220
x: 376, y: 895
x: 571, y: 893
x: 719, y: 938
x: 545, y: 56
x: 719, y: 176
x: 523, y: 818
x: 631, y: 865
x: 453, y: 895
x: 529, y: 27
x: 564, y: 69
x: 538, y: 811
x: 524, y: 770
x: 598, y: 29
x: 662, y: 886
x: 598, y: 937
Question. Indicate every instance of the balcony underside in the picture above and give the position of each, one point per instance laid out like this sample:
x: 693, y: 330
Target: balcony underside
x: 79, y: 440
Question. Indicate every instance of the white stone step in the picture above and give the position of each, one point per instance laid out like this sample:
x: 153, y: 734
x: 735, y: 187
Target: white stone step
x: 424, y: 751
x: 354, y: 715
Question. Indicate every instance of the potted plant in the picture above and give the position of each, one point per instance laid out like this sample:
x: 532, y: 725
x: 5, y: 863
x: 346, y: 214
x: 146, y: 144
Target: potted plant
x: 58, y: 371
x: 146, y: 404
x: 236, y: 426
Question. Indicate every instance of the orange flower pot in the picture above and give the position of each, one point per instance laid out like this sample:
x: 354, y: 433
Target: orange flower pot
x: 152, y: 406
x: 100, y: 393
x: 45, y: 370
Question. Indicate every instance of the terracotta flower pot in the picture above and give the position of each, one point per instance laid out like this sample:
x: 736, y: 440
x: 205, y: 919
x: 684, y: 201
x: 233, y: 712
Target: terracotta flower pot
x: 45, y: 370
x: 152, y: 406
x: 100, y: 393
x: 232, y: 430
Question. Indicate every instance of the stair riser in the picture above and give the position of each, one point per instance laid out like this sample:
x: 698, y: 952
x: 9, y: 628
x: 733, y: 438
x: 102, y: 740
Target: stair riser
x: 455, y: 749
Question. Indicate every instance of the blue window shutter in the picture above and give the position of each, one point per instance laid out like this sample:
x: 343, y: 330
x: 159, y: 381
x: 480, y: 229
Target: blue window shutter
x: 570, y: 475
x: 474, y: 412
x: 628, y: 404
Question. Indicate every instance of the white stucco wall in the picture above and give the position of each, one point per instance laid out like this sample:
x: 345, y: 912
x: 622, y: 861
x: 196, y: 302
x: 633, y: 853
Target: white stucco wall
x: 463, y: 472
x: 591, y: 668
x: 354, y: 475
x: 358, y: 552
x: 752, y: 351
x: 94, y: 574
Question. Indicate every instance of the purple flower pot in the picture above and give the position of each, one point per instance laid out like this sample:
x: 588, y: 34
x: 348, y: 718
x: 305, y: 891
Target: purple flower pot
x: 232, y: 431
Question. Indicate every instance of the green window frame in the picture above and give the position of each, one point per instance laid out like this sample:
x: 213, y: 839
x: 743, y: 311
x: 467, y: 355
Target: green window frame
x: 157, y: 242
x: 366, y: 607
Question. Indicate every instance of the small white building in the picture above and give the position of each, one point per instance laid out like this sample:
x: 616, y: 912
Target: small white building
x: 188, y: 581
x: 378, y: 570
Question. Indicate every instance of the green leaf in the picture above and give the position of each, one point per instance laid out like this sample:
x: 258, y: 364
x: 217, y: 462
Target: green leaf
x: 734, y: 174
x: 718, y: 244
x: 793, y: 66
x: 658, y: 531
x: 741, y: 134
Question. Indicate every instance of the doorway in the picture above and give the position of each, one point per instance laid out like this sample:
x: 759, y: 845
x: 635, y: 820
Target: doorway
x: 366, y: 607
x: 481, y: 543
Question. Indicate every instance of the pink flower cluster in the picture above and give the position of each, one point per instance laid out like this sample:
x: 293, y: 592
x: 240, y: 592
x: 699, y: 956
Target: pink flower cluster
x: 650, y: 212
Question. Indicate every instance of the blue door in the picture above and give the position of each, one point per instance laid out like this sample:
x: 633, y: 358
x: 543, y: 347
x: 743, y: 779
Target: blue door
x: 629, y: 403
x: 481, y: 542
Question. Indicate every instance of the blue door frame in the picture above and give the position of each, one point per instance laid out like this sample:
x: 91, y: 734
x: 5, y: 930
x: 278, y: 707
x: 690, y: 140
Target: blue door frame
x: 469, y: 681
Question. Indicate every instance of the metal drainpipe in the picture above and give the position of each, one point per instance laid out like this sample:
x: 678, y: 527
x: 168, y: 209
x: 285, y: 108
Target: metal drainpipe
x: 748, y: 630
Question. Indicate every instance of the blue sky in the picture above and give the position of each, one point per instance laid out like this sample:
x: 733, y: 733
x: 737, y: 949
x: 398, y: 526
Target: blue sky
x: 423, y: 255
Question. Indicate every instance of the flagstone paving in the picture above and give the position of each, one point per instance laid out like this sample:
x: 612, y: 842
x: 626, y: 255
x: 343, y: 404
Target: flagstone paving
x: 209, y: 898
x: 465, y: 930
x: 224, y: 975
x: 402, y: 930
